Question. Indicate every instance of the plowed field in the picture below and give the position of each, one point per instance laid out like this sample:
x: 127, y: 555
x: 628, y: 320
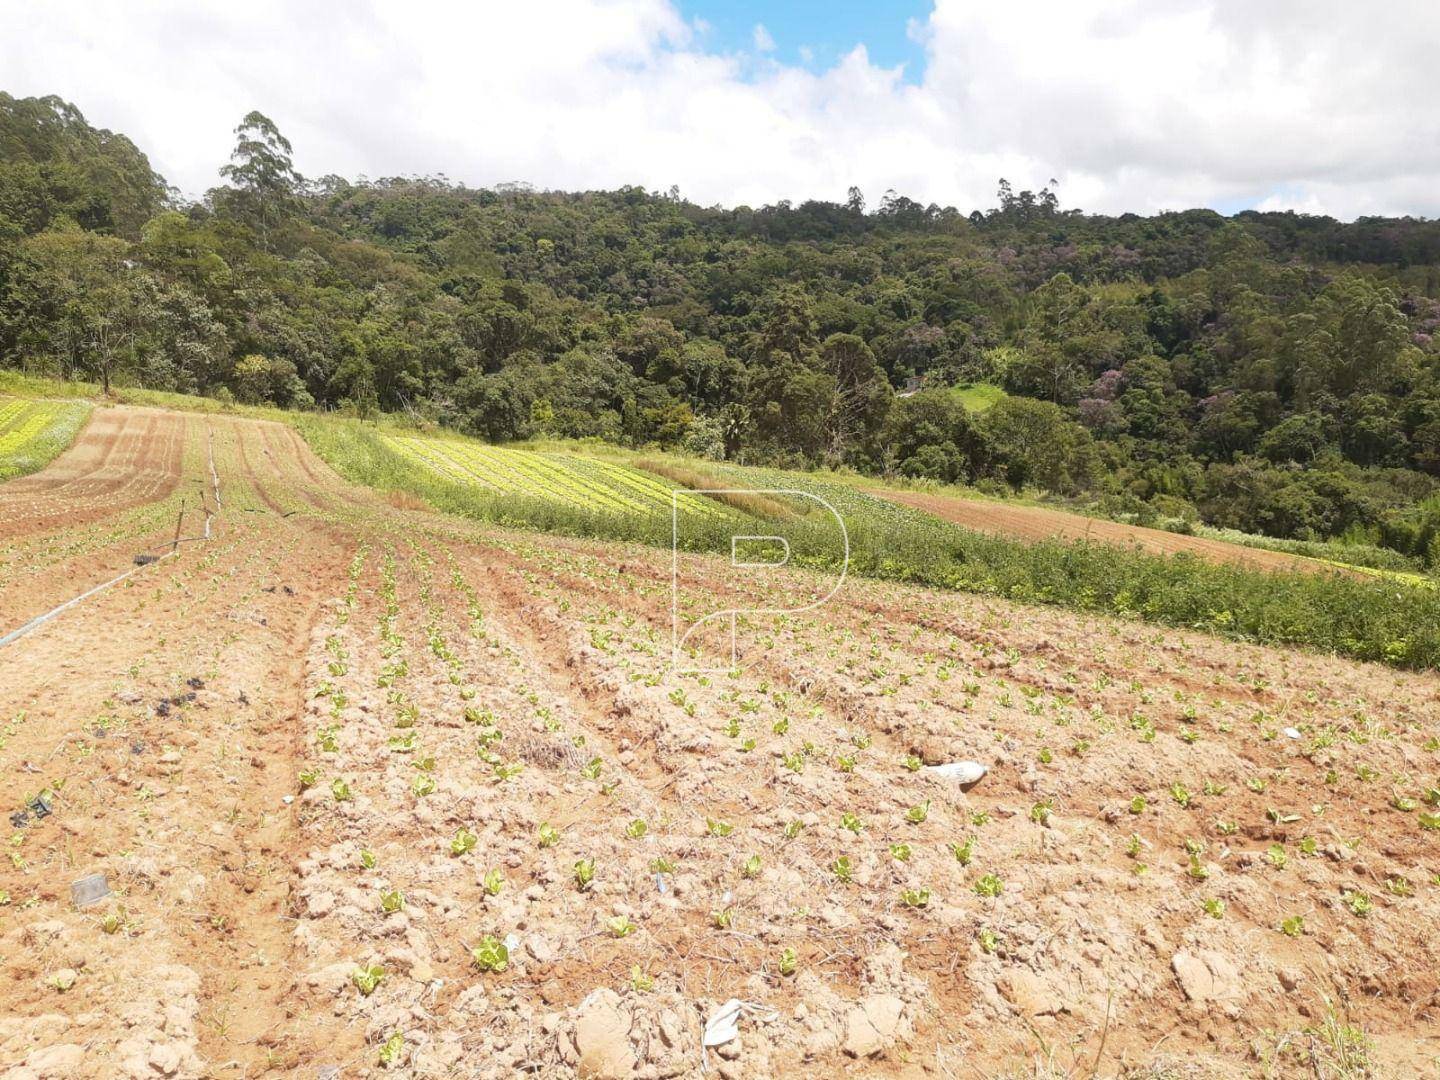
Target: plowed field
x: 1043, y: 523
x: 378, y: 789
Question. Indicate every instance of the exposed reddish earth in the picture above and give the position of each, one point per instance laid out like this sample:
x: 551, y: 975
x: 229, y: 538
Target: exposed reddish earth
x: 1043, y: 523
x: 261, y: 739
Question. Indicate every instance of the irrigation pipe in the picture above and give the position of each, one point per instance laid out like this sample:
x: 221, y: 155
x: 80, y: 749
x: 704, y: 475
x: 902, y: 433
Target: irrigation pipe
x: 41, y: 620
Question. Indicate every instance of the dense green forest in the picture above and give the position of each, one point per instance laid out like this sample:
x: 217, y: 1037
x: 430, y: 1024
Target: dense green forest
x: 1272, y: 372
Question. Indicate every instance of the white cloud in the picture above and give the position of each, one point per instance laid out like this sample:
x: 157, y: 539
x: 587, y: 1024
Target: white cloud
x: 763, y: 41
x: 1314, y: 104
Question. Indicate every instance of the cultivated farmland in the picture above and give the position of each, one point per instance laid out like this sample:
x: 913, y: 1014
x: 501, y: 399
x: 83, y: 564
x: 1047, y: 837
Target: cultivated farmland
x: 1041, y: 523
x: 395, y: 791
x: 33, y: 432
x: 586, y: 483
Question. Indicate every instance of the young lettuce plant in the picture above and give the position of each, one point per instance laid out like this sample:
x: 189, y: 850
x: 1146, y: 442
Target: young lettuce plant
x: 367, y: 978
x: 491, y: 954
x: 584, y: 874
x: 640, y: 981
x: 620, y: 926
x: 1359, y: 903
x: 392, y: 1049
x: 964, y: 852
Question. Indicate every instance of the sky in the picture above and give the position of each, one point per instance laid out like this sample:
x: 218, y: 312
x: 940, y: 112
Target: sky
x: 1322, y: 106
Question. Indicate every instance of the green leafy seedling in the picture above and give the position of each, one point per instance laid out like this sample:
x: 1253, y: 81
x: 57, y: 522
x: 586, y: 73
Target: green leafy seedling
x: 584, y: 874
x: 391, y: 1049
x: 491, y: 954
x: 367, y: 978
x: 620, y: 926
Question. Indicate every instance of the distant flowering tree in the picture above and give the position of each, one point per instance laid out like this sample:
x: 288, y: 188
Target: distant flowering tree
x: 1107, y: 386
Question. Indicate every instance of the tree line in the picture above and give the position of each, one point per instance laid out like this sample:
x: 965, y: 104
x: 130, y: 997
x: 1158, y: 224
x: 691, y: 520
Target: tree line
x: 1273, y: 372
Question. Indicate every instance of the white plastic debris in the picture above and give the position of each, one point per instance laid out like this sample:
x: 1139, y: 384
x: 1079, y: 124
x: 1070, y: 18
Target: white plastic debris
x: 724, y: 1022
x: 90, y: 889
x: 1292, y: 733
x: 512, y: 943
x: 964, y: 773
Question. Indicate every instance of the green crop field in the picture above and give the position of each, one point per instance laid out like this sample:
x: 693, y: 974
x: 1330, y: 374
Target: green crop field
x: 584, y: 482
x: 33, y: 432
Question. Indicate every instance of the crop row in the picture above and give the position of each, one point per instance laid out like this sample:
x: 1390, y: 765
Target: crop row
x: 578, y: 481
x: 32, y: 432
x: 22, y: 421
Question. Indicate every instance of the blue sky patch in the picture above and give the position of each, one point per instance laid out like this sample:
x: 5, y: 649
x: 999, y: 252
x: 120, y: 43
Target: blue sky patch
x: 813, y: 34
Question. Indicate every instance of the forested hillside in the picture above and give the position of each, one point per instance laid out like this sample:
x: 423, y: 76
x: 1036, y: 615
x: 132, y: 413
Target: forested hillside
x: 1271, y: 372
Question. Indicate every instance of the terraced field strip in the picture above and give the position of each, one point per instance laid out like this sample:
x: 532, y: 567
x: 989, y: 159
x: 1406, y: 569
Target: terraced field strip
x: 122, y: 458
x: 32, y: 432
x: 580, y: 481
x: 1042, y: 523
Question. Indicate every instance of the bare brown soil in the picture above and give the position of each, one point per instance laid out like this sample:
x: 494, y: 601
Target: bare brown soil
x: 269, y: 738
x: 1043, y: 523
x: 126, y: 457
